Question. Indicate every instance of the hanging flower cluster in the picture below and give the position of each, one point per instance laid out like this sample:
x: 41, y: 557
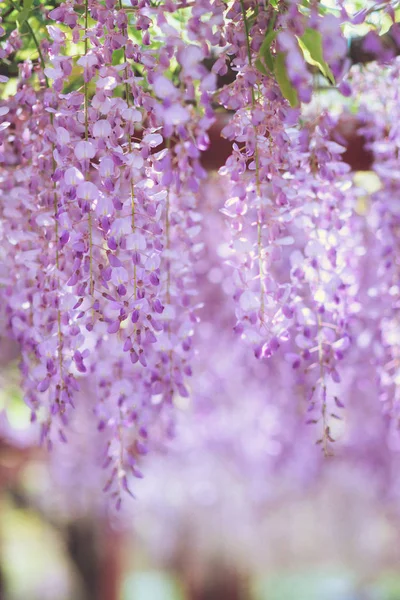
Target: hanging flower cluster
x: 102, y: 229
x: 99, y: 192
x: 378, y: 118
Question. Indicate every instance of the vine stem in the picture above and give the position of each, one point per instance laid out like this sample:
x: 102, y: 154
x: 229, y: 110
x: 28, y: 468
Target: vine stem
x: 167, y: 236
x: 86, y: 106
x: 59, y: 331
x: 323, y: 386
x: 167, y: 246
x: 124, y: 31
x: 257, y: 164
x: 55, y: 203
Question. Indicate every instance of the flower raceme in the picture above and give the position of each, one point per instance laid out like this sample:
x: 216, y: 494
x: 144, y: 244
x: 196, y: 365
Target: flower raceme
x: 104, y: 223
x: 101, y: 182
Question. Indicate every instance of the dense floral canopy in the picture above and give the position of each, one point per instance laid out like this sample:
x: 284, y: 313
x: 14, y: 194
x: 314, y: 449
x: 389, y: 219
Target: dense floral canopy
x: 134, y: 283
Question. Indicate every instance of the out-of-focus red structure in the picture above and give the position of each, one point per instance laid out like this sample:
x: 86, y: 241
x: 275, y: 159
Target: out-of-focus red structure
x: 347, y: 133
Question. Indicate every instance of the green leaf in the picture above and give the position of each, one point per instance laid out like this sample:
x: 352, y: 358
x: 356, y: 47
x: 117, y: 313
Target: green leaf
x: 261, y: 67
x: 24, y: 12
x: 265, y: 62
x: 306, y: 5
x: 311, y: 45
x: 288, y: 91
x: 118, y: 56
x: 265, y: 55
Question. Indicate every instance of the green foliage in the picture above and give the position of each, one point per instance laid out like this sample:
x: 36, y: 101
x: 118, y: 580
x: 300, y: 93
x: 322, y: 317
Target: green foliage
x: 307, y: 5
x: 311, y: 45
x: 24, y: 12
x: 288, y: 91
x: 265, y: 62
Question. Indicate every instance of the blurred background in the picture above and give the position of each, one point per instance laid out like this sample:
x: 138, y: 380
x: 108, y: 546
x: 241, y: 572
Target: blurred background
x: 231, y: 509
x: 334, y: 542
